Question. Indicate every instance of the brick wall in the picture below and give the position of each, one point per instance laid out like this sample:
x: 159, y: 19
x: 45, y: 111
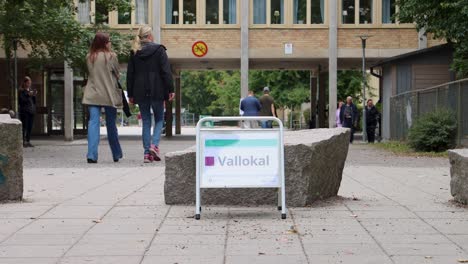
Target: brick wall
x: 300, y: 38
x: 381, y: 38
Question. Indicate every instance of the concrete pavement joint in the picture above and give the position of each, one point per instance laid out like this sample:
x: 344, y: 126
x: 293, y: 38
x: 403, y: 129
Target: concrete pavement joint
x: 155, y: 234
x: 419, y: 217
x: 300, y: 237
x: 227, y: 236
x: 373, y: 238
x: 107, y: 212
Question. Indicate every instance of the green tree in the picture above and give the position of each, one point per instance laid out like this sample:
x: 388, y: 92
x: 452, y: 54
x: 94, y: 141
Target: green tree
x: 349, y: 84
x: 446, y: 19
x: 196, y: 94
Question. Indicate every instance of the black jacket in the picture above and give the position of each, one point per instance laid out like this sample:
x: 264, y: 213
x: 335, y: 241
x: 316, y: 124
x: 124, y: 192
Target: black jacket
x: 27, y: 103
x: 372, y: 116
x: 354, y: 114
x: 149, y: 74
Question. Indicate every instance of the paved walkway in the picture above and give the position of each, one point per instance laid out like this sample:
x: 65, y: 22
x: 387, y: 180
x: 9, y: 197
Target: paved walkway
x: 390, y: 210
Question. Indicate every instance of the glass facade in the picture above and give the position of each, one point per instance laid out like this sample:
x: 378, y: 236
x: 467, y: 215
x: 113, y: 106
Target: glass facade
x: 230, y: 11
x: 189, y: 11
x: 277, y: 12
x: 300, y: 12
x: 259, y: 11
x: 317, y: 11
x: 388, y: 11
x: 348, y: 12
x: 172, y: 12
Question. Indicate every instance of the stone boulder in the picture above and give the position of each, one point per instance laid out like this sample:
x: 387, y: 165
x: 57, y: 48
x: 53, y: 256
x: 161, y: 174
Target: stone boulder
x: 459, y: 174
x: 314, y: 163
x: 11, y: 159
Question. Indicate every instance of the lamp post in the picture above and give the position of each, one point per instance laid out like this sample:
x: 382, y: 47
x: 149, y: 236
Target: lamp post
x: 364, y: 83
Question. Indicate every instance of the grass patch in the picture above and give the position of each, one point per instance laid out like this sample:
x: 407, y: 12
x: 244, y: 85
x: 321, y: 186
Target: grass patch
x: 403, y: 149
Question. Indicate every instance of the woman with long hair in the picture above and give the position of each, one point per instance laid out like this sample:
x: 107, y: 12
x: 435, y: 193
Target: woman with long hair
x: 102, y: 91
x: 149, y: 84
x: 27, y: 109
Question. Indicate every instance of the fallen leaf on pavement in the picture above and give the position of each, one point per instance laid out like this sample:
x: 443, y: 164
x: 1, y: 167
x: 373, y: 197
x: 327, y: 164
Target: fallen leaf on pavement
x: 97, y: 221
x: 427, y: 257
x: 463, y: 260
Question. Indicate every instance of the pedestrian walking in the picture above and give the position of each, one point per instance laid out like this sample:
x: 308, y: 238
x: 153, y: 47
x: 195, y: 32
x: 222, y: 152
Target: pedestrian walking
x: 102, y: 91
x: 372, y: 117
x: 268, y: 107
x: 149, y: 84
x: 349, y: 116
x: 251, y: 106
x: 27, y: 109
x: 337, y: 116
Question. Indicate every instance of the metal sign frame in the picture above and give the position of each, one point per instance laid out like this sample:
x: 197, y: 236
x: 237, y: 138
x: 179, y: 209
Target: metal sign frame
x: 199, y: 131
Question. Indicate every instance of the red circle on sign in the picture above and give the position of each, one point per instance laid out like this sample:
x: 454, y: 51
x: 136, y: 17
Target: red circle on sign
x: 199, y: 49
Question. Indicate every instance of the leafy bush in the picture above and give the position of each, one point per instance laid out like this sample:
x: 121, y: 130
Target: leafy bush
x: 434, y: 131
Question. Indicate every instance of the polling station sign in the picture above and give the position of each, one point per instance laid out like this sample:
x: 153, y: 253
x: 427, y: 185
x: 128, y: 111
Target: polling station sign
x: 240, y: 159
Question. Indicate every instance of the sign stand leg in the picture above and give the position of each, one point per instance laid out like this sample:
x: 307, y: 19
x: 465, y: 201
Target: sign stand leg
x: 279, y: 199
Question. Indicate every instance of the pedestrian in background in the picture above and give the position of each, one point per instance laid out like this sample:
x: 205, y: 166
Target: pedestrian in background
x: 349, y: 116
x: 268, y: 107
x: 372, y: 116
x: 27, y: 109
x: 149, y: 84
x: 102, y: 91
x: 337, y: 116
x: 251, y: 106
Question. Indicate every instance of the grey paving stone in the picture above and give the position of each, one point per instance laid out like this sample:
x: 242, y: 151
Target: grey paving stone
x: 28, y: 260
x: 126, y: 226
x: 267, y: 259
x: 409, y: 239
x: 32, y: 251
x: 42, y: 239
x: 343, y: 249
x: 350, y: 259
x: 461, y: 240
x: 211, y: 212
x: 174, y: 239
x: 186, y: 250
x: 138, y: 212
x: 77, y: 212
x: 337, y: 239
x: 425, y: 249
x: 8, y: 226
x: 450, y: 226
x: 397, y: 226
x: 193, y: 230
x: 22, y: 210
x: 101, y: 260
x: 443, y: 214
x: 425, y: 259
x: 57, y: 226
x: 183, y: 259
x: 264, y: 246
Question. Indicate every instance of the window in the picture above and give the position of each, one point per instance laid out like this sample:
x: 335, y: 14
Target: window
x: 172, y: 11
x: 230, y: 11
x: 277, y: 12
x: 259, y: 11
x: 190, y: 11
x: 212, y: 11
x: 388, y: 11
x: 348, y: 12
x: 124, y: 17
x: 141, y: 12
x: 84, y: 11
x: 357, y: 11
x: 300, y: 12
x: 365, y: 11
x: 317, y: 11
x: 101, y: 16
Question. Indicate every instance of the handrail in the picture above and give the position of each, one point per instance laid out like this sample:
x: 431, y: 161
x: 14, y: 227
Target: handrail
x: 431, y: 88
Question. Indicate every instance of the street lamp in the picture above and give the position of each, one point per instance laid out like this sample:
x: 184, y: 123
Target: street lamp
x: 15, y: 81
x: 364, y: 38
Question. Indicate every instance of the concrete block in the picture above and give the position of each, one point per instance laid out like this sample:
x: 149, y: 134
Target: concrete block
x: 11, y: 159
x: 459, y: 174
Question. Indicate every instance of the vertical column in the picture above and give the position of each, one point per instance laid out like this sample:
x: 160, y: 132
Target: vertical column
x: 157, y: 20
x: 244, y: 12
x: 332, y: 61
x: 68, y: 103
x: 313, y: 99
x: 178, y: 103
x: 322, y: 104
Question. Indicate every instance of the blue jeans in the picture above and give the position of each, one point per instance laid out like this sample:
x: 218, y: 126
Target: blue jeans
x: 267, y: 124
x: 158, y: 113
x: 94, y: 131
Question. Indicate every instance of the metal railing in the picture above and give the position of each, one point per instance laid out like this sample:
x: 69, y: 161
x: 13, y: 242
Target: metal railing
x: 407, y: 107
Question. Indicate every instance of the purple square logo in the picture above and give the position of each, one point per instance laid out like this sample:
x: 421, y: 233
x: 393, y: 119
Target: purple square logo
x: 209, y: 161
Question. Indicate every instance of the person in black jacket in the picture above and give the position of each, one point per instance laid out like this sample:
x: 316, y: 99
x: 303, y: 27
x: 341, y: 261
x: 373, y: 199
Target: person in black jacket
x: 349, y: 116
x: 372, y: 116
x: 27, y: 109
x: 149, y: 84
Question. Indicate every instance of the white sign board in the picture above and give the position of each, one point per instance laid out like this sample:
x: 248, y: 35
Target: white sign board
x: 240, y: 159
x: 288, y: 48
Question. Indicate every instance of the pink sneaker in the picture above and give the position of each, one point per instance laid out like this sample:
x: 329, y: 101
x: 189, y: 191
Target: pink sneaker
x: 148, y: 158
x: 154, y: 151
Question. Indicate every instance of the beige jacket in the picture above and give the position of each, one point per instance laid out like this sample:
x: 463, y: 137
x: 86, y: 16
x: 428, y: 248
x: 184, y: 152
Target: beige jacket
x: 102, y: 88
